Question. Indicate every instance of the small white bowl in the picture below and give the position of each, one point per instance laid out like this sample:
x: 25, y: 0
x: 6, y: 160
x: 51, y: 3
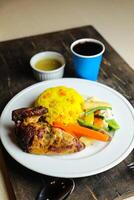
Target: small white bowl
x: 42, y: 75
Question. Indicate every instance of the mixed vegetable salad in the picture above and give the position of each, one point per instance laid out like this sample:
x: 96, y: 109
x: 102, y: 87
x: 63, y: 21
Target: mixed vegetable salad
x: 96, y: 122
x: 98, y: 116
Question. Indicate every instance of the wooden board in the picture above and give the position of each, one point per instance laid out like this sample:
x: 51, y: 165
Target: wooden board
x: 16, y: 75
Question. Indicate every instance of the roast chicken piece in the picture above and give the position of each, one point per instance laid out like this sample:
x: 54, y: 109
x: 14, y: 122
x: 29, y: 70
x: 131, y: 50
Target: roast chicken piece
x: 35, y: 135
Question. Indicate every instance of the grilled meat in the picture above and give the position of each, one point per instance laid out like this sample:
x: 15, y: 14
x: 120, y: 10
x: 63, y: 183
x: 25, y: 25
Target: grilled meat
x: 36, y: 136
x: 22, y: 113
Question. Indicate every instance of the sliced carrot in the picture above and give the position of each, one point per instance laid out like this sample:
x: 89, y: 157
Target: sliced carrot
x: 98, y: 122
x: 79, y: 131
x: 63, y: 127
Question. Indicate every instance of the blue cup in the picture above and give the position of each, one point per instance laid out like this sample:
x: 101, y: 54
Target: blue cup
x: 87, y: 56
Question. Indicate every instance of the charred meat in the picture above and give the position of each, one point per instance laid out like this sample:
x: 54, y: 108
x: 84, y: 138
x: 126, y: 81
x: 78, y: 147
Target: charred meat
x: 35, y: 135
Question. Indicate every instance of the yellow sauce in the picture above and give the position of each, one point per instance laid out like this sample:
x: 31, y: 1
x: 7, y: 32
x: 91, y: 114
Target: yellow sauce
x: 48, y: 64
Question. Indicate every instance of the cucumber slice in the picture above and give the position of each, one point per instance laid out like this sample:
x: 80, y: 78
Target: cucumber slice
x: 83, y: 123
x: 113, y: 124
x: 89, y: 119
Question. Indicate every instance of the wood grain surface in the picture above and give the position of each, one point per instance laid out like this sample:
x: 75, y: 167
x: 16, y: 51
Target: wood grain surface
x: 16, y: 74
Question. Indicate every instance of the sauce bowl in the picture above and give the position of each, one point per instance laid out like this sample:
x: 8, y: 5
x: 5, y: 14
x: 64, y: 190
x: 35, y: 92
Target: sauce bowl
x: 42, y: 75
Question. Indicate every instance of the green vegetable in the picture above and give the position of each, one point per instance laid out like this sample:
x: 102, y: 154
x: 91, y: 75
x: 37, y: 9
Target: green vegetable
x: 85, y: 124
x: 113, y: 124
x: 97, y: 108
x: 93, y: 104
x: 89, y: 119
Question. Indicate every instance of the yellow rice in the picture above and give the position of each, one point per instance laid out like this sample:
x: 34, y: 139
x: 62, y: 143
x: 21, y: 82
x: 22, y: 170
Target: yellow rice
x: 64, y: 104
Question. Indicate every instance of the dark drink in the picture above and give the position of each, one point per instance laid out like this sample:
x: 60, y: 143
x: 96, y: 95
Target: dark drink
x: 88, y: 48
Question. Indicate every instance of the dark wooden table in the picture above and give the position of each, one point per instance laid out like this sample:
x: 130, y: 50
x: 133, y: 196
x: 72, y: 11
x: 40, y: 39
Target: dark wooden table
x: 15, y: 75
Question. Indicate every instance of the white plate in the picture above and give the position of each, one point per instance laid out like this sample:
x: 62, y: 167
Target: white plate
x: 94, y: 159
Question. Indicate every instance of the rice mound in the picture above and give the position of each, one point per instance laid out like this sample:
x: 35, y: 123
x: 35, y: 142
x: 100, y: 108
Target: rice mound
x: 64, y: 104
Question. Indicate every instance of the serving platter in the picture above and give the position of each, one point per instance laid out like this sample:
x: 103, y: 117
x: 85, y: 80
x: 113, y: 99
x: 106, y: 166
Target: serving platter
x: 96, y: 158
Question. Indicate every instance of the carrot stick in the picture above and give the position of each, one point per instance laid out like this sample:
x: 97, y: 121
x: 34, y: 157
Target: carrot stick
x: 63, y: 127
x: 79, y: 131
